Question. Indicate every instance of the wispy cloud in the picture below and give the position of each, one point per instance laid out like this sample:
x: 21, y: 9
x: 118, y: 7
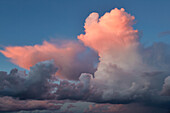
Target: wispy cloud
x: 165, y: 33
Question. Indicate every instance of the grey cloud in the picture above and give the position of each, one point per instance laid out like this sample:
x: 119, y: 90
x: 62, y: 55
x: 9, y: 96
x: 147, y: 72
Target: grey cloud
x: 166, y: 87
x: 33, y: 85
x: 11, y: 104
x: 142, y: 86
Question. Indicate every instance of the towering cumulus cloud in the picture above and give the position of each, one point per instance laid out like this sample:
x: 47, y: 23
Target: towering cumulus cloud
x: 113, y: 37
x: 127, y: 72
x: 112, y: 32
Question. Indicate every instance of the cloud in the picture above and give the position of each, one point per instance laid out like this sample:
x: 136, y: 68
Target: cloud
x: 118, y: 73
x: 165, y: 33
x: 122, y: 108
x: 112, y: 31
x: 127, y: 71
x: 74, y: 90
x: 11, y: 104
x: 166, y: 87
x: 157, y: 55
x: 68, y: 57
x: 35, y: 85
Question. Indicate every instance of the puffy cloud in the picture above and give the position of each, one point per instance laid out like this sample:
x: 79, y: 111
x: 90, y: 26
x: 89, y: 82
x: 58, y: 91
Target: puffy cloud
x: 112, y: 31
x: 166, y: 87
x: 34, y: 85
x: 70, y: 57
x: 78, y: 90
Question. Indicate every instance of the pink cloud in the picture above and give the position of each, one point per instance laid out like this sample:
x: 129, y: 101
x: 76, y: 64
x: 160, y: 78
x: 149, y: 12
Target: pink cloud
x: 112, y: 30
x: 65, y: 57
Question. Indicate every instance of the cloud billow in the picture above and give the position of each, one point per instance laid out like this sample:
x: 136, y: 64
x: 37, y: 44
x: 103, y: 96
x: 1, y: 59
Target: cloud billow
x: 34, y: 85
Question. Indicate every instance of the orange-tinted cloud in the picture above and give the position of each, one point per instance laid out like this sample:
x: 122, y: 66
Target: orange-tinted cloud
x: 27, y: 56
x: 65, y: 57
x: 112, y: 30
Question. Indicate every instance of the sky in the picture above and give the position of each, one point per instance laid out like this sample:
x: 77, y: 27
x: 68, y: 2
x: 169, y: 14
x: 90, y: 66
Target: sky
x: 113, y: 53
x: 31, y: 22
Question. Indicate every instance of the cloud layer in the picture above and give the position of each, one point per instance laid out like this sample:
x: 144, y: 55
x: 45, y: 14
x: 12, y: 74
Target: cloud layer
x: 10, y: 104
